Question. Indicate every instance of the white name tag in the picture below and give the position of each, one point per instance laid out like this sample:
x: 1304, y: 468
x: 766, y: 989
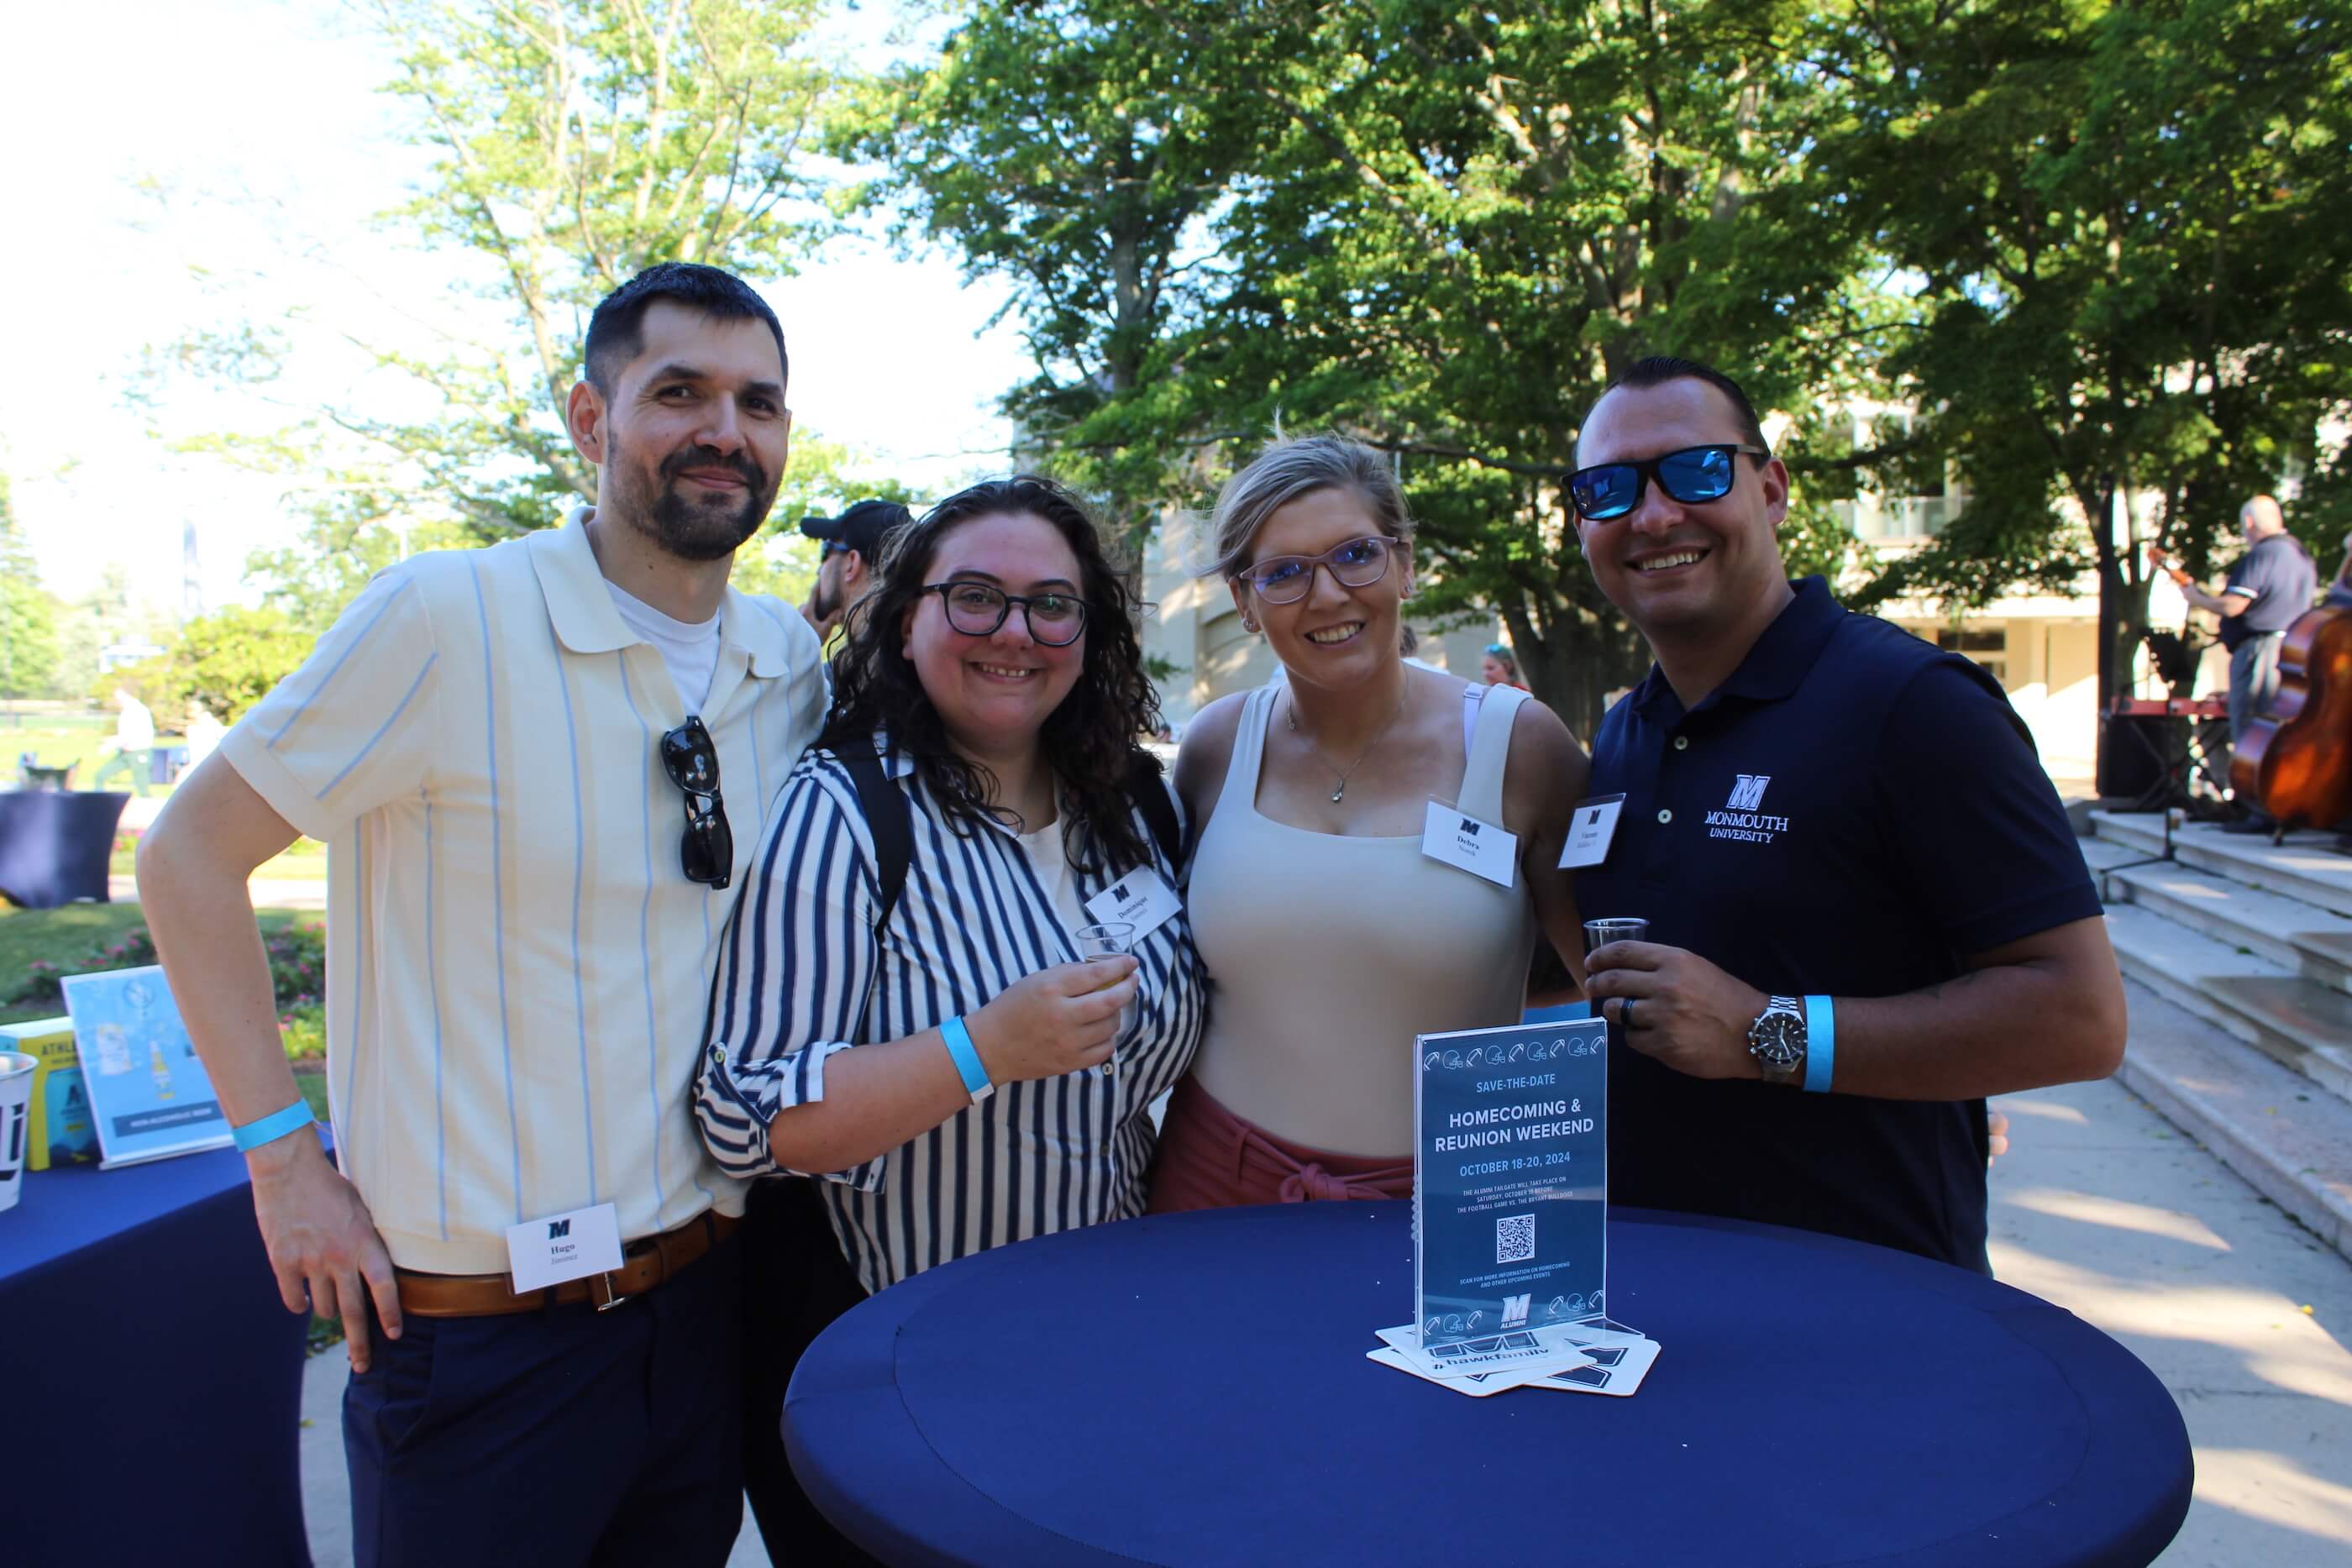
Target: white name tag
x: 1479, y: 848
x: 1140, y: 898
x: 543, y: 1252
x: 1589, y: 834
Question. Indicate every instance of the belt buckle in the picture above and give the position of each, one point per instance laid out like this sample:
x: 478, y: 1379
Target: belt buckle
x: 600, y: 1293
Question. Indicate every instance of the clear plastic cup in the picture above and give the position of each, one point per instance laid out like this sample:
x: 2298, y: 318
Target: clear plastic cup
x: 1615, y: 928
x: 1104, y: 941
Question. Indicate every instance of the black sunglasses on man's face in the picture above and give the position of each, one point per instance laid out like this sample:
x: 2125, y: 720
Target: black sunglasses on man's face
x: 1691, y: 476
x: 707, y: 853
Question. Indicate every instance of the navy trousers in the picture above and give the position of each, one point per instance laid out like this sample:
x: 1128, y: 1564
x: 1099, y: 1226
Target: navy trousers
x: 563, y: 1436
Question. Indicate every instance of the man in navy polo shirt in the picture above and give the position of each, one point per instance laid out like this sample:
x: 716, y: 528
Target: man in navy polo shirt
x: 1866, y: 909
x: 2271, y: 586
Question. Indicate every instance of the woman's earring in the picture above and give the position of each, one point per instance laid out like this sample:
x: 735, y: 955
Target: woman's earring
x: 1248, y: 624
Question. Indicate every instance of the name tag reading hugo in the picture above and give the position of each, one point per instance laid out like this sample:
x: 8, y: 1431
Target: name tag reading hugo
x: 1141, y: 899
x: 1589, y: 833
x: 543, y: 1252
x: 1482, y: 849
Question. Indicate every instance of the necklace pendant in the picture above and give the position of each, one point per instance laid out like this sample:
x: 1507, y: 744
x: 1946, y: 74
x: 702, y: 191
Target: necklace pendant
x: 1336, y: 793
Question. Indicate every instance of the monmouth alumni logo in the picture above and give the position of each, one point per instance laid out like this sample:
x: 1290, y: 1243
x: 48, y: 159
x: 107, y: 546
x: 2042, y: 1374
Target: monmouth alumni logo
x: 1740, y: 818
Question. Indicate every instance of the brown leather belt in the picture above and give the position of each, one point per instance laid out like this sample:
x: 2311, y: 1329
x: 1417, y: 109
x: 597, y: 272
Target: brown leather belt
x: 644, y: 1264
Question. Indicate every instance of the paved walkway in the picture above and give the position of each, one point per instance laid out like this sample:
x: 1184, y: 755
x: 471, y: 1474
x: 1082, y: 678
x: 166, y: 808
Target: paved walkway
x: 2102, y: 1207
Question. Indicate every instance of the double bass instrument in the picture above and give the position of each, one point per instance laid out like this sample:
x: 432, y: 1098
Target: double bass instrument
x: 2296, y: 757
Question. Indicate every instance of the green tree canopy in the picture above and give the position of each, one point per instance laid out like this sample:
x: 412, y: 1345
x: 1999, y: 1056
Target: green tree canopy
x: 1437, y: 229
x: 2133, y: 299
x: 572, y: 143
x: 223, y: 664
x: 28, y: 628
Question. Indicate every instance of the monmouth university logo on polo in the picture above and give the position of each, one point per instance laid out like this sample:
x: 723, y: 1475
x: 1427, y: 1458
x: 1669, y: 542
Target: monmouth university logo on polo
x: 1738, y: 819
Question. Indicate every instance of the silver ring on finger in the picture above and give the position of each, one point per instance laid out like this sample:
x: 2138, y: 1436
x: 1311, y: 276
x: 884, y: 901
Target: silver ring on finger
x: 1625, y: 1013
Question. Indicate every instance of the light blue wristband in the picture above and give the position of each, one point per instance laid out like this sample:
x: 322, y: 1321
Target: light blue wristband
x: 966, y: 1056
x: 274, y: 1126
x: 1821, y: 1044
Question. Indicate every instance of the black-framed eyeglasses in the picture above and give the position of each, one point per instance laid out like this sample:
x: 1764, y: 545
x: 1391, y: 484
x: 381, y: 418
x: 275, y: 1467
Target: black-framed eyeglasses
x: 1286, y: 579
x: 977, y: 609
x: 707, y: 853
x: 1691, y: 476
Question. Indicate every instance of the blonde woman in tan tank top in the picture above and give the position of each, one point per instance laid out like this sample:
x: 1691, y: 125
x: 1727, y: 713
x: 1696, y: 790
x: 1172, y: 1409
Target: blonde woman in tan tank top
x: 1330, y: 940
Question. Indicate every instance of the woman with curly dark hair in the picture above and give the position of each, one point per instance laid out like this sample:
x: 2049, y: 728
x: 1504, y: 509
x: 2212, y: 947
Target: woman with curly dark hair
x: 961, y: 1073
x: 953, y: 1069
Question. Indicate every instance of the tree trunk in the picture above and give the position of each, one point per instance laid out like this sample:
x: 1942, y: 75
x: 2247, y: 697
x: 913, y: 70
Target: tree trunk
x: 1576, y: 661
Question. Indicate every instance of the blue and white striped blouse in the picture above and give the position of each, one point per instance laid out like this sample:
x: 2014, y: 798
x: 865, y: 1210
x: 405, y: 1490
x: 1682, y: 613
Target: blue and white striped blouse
x: 793, y: 986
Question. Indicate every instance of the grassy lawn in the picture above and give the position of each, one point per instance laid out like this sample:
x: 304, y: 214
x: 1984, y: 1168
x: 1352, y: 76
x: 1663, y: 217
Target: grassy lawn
x: 69, y: 936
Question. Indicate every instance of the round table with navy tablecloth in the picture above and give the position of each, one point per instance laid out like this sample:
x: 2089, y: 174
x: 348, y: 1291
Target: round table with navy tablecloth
x: 55, y: 846
x: 151, y: 1380
x: 1193, y: 1389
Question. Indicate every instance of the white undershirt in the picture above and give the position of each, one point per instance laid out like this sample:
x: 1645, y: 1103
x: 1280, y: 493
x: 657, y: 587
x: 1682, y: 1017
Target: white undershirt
x: 1051, y: 861
x: 691, y: 651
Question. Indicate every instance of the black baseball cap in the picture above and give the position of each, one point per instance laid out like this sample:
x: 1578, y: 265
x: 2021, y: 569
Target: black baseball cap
x: 860, y: 527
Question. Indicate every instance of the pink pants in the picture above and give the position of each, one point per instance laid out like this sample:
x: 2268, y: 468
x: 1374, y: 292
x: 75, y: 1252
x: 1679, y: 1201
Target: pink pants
x: 1211, y: 1158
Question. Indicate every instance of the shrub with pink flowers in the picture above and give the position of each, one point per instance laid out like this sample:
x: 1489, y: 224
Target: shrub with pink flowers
x: 298, y: 974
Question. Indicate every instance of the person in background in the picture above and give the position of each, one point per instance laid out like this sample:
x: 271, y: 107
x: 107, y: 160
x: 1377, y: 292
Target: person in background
x: 957, y: 1070
x: 1498, y: 667
x: 518, y: 757
x: 852, y: 549
x: 1330, y: 938
x: 205, y: 733
x: 1866, y: 907
x: 2268, y: 590
x: 134, y: 742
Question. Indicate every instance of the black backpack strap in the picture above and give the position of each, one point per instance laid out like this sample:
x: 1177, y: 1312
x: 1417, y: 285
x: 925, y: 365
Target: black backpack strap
x: 1146, y: 786
x: 891, y: 822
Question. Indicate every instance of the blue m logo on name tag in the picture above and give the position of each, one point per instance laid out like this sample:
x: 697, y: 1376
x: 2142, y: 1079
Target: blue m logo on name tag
x: 1470, y: 827
x: 1119, y: 893
x: 558, y: 1228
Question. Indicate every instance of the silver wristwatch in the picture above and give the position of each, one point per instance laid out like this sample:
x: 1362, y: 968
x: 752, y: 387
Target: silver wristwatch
x: 1777, y: 1038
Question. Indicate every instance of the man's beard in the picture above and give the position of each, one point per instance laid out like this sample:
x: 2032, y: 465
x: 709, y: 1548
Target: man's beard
x: 697, y: 531
x: 825, y: 602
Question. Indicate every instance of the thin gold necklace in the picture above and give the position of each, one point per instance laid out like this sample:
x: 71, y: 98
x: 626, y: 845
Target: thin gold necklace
x: 1290, y: 716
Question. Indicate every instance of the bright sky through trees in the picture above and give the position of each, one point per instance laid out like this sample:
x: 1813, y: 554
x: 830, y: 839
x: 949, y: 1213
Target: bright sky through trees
x: 248, y: 134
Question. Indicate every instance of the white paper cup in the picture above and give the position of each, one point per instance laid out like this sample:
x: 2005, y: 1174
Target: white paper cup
x: 16, y: 1118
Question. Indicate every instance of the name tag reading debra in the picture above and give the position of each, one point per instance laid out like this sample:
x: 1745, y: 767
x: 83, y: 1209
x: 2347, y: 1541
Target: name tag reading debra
x: 1468, y: 844
x: 548, y: 1251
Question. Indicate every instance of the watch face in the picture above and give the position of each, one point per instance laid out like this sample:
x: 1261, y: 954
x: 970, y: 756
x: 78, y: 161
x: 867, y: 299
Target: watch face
x: 1778, y: 1038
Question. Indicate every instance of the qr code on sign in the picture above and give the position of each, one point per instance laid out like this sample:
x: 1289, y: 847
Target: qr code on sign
x: 1514, y: 1239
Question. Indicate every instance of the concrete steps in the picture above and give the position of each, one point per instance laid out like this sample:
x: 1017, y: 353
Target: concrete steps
x: 2295, y: 1022
x: 2290, y: 1140
x: 2246, y: 947
x: 2307, y: 867
x: 2295, y: 935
